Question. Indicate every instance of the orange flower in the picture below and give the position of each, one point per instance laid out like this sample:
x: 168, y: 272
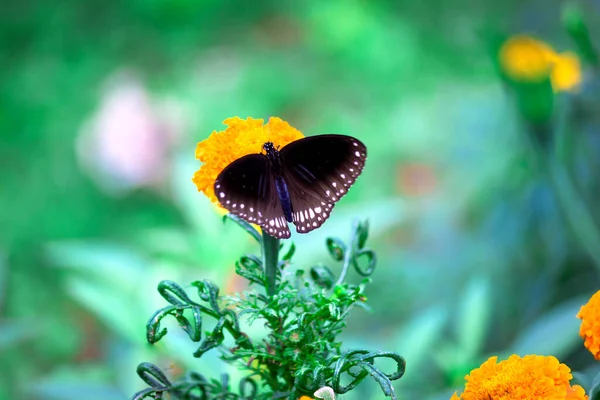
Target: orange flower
x: 521, y: 378
x: 525, y: 59
x: 590, y: 324
x: 242, y: 137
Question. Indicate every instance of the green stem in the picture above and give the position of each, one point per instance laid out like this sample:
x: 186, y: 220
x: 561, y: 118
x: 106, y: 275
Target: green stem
x: 270, y: 254
x: 349, y: 253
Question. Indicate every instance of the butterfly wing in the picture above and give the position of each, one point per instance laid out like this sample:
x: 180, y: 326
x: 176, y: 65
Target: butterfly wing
x: 319, y: 171
x: 246, y: 188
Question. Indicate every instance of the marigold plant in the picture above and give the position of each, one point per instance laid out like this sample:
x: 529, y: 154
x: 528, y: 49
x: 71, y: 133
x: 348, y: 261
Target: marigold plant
x: 521, y: 378
x: 590, y: 324
x: 304, y: 309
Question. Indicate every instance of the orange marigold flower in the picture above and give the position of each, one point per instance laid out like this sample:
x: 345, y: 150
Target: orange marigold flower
x: 305, y: 398
x: 521, y: 378
x: 525, y: 59
x: 589, y: 314
x: 242, y: 137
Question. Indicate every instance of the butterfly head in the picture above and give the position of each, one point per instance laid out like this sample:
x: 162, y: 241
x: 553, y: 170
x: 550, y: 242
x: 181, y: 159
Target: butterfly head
x: 269, y: 147
x: 271, y: 150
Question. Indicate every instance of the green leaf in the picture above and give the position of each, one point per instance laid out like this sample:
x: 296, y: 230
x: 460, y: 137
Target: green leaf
x: 419, y: 335
x: 474, y: 315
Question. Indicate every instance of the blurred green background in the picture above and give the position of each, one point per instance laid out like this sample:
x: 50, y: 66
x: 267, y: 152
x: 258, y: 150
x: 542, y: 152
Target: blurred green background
x: 482, y: 251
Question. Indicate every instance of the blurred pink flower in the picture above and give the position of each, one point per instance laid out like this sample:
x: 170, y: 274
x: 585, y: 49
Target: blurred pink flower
x: 127, y: 143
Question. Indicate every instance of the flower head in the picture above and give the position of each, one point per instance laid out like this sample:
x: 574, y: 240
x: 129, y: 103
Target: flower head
x: 242, y: 137
x: 566, y: 74
x: 590, y: 324
x: 521, y: 378
x: 525, y: 59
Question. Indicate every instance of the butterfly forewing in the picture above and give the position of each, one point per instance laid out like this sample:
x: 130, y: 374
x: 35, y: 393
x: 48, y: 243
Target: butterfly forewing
x: 246, y: 188
x: 319, y: 171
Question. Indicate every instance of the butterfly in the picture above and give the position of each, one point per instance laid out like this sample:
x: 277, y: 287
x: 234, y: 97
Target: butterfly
x: 298, y: 184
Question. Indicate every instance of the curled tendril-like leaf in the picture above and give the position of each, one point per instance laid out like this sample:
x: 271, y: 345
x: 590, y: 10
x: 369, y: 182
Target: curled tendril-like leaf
x: 208, y: 292
x: 322, y: 276
x: 180, y: 301
x: 213, y: 339
x: 245, y: 225
x: 231, y: 316
x: 173, y: 293
x: 248, y: 389
x: 351, y: 253
x: 371, y: 262
x: 193, y: 387
x: 364, y: 360
x: 336, y: 248
x: 250, y: 267
x: 154, y: 378
x: 362, y: 232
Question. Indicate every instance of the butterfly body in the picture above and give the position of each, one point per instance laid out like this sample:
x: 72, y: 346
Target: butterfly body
x: 298, y: 184
x: 274, y: 160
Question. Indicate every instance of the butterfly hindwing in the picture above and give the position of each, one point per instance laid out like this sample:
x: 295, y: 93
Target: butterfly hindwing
x: 319, y: 171
x: 310, y: 208
x: 246, y: 188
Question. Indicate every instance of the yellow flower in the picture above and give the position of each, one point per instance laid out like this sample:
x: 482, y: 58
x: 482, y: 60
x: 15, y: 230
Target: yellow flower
x: 242, y: 137
x: 589, y: 314
x: 521, y: 378
x: 566, y: 74
x: 525, y: 59
x: 305, y: 398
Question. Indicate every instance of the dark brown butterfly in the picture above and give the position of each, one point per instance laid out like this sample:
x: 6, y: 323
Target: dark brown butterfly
x: 299, y: 183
